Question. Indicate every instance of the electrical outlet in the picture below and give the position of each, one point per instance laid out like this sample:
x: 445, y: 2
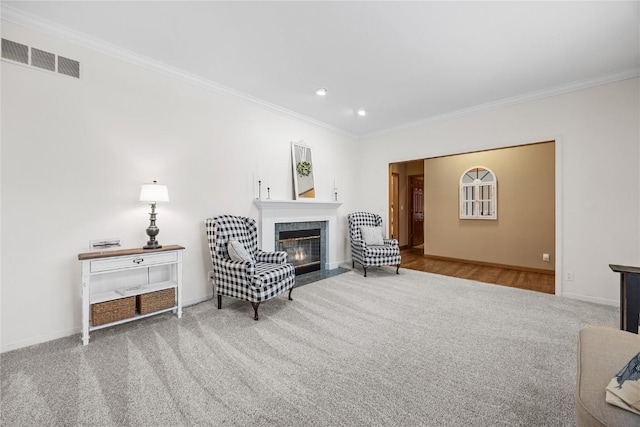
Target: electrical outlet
x: 568, y: 276
x: 545, y: 257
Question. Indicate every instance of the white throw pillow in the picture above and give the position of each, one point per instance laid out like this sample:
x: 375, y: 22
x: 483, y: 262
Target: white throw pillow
x: 372, y: 235
x: 237, y: 252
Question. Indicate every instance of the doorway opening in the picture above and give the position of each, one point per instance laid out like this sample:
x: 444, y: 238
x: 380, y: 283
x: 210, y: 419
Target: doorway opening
x: 401, y: 202
x: 528, y: 190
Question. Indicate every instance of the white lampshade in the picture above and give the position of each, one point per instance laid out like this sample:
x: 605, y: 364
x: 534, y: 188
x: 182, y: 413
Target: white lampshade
x: 153, y: 193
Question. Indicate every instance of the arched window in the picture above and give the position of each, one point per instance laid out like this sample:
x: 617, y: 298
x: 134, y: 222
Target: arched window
x: 478, y: 194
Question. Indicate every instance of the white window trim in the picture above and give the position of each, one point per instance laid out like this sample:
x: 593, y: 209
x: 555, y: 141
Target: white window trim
x: 474, y: 201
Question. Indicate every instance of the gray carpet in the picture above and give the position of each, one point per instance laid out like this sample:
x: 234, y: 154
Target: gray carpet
x: 389, y: 350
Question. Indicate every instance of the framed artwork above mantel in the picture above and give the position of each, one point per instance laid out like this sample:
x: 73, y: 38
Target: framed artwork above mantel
x: 303, y: 185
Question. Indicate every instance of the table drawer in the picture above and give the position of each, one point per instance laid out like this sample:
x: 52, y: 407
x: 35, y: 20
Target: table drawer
x: 133, y: 261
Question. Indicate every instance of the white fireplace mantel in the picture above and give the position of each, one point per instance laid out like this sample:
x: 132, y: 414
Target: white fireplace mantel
x: 274, y: 212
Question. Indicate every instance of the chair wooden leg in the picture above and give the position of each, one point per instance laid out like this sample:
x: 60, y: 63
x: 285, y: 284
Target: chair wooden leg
x: 290, y: 294
x: 255, y: 309
x: 398, y: 269
x: 353, y: 265
x: 219, y: 302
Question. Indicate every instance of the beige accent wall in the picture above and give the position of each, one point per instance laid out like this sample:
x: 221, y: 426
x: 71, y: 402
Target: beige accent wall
x: 525, y: 227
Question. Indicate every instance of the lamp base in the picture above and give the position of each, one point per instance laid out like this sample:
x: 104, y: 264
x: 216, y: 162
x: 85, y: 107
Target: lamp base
x: 152, y: 230
x: 152, y: 245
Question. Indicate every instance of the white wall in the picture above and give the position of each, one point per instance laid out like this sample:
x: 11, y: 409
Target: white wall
x: 75, y: 152
x: 598, y: 133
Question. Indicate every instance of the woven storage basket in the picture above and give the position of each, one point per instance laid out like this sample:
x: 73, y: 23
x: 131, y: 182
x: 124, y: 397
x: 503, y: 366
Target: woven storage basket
x: 112, y: 311
x: 154, y: 301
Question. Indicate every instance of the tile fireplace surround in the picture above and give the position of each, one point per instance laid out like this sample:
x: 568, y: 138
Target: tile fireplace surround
x: 274, y: 212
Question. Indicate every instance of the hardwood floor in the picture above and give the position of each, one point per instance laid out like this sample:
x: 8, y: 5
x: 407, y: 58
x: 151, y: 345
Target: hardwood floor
x: 414, y: 259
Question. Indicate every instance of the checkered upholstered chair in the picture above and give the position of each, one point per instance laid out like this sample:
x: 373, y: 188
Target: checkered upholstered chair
x: 388, y: 253
x: 264, y: 276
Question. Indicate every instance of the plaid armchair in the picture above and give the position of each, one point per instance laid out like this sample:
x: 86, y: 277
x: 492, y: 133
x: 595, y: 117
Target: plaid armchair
x: 267, y: 274
x: 386, y: 254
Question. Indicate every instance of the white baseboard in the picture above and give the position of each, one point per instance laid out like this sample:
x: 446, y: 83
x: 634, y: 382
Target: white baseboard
x: 615, y: 303
x: 334, y: 265
x: 198, y: 300
x: 41, y: 339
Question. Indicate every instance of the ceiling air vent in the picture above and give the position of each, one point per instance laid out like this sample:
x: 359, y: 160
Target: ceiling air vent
x: 42, y: 59
x: 68, y: 67
x: 15, y: 51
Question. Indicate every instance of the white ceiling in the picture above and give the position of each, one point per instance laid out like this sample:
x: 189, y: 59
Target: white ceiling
x: 405, y: 62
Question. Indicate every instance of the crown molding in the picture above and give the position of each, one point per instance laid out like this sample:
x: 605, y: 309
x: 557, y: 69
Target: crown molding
x: 506, y: 102
x: 35, y: 23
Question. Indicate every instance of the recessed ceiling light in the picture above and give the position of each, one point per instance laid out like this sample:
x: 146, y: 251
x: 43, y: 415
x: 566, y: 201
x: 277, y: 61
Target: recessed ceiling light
x: 362, y: 112
x: 321, y: 91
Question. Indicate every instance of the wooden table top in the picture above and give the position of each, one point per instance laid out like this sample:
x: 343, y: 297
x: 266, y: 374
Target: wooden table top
x: 121, y: 252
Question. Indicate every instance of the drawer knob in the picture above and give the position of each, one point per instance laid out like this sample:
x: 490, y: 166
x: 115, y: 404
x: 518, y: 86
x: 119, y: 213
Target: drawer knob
x: 138, y: 260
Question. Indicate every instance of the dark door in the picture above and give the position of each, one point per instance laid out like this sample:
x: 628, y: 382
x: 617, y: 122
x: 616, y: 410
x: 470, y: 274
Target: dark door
x: 416, y: 202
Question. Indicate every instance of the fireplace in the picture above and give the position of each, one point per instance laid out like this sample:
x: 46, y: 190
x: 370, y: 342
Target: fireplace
x: 291, y: 215
x: 305, y: 243
x: 302, y: 248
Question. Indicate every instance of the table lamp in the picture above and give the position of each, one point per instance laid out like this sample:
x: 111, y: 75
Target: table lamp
x: 153, y: 193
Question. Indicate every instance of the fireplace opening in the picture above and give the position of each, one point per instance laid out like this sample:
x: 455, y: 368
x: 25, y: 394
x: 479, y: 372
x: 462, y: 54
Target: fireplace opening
x: 302, y: 248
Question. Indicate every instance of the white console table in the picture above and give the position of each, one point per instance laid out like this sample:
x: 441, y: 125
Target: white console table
x: 122, y: 262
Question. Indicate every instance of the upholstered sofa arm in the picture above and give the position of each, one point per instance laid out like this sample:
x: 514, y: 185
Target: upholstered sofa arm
x: 279, y: 257
x: 226, y: 267
x: 358, y: 243
x: 391, y: 242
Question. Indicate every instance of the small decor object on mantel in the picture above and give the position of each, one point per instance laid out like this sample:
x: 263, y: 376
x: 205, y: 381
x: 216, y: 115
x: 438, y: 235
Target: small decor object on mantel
x: 303, y: 168
x: 302, y: 171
